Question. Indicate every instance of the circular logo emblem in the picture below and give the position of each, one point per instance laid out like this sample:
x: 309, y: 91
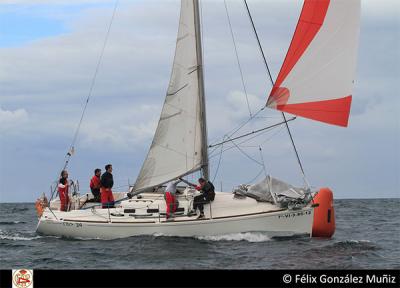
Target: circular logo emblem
x: 22, y: 278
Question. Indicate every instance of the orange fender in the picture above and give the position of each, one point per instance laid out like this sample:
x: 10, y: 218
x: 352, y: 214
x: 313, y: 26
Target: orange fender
x: 324, y: 214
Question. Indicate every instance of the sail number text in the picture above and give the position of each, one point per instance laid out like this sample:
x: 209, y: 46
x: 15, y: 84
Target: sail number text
x: 68, y: 224
x: 294, y: 214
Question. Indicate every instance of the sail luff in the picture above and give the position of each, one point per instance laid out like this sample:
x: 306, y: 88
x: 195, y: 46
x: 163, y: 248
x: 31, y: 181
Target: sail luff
x: 203, y: 116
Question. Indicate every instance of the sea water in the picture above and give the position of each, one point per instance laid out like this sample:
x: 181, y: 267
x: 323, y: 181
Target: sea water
x: 367, y: 237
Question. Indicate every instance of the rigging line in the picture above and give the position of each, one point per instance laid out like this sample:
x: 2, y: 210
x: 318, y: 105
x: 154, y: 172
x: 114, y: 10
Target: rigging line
x: 93, y: 81
x: 254, y: 179
x: 267, y: 117
x: 237, y: 58
x: 272, y: 82
x: 258, y: 41
x: 244, y: 123
x: 273, y: 135
x: 295, y: 150
x: 234, y: 130
x: 219, y: 162
x: 213, y: 150
x: 253, y: 146
x: 244, y: 153
x: 262, y: 160
x: 250, y: 133
x: 251, y: 138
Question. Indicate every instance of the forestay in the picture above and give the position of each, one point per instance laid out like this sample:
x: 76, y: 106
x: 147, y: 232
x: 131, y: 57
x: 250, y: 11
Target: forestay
x: 317, y: 76
x: 177, y: 147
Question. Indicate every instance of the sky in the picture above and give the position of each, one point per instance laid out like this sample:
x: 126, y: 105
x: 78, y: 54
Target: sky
x: 49, y: 50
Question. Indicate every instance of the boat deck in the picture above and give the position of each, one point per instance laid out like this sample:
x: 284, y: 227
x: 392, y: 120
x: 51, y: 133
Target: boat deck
x: 151, y: 207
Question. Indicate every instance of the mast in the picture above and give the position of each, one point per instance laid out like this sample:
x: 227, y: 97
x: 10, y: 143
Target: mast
x: 202, y: 100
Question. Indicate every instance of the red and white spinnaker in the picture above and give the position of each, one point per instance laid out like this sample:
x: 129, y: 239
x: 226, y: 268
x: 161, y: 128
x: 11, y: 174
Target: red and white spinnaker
x: 317, y: 76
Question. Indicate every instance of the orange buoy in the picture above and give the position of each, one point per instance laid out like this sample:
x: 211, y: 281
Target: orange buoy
x: 324, y: 214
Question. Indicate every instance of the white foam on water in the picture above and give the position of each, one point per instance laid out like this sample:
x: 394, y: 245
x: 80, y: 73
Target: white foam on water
x: 359, y: 241
x: 248, y: 236
x: 16, y: 236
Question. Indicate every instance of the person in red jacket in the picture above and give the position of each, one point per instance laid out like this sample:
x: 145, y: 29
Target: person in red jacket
x: 63, y: 190
x: 95, y: 185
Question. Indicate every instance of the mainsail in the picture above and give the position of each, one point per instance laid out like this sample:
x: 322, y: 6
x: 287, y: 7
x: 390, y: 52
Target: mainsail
x: 180, y: 141
x: 317, y: 76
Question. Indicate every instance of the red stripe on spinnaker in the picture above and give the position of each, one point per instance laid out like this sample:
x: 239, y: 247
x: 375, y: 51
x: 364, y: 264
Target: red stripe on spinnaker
x: 334, y: 111
x: 311, y: 19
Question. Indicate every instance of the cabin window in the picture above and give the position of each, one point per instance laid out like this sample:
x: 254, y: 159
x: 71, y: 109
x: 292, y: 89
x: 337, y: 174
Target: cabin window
x: 153, y: 211
x: 129, y: 210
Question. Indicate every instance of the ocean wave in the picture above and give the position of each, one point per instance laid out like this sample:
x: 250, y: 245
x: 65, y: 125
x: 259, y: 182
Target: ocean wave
x: 12, y: 244
x: 20, y: 209
x: 248, y: 236
x: 11, y: 222
x: 16, y: 236
x: 356, y: 245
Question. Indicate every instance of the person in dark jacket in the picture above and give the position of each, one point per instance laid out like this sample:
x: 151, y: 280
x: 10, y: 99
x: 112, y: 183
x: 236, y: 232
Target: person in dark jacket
x: 107, y: 182
x: 207, y: 191
x: 95, y: 185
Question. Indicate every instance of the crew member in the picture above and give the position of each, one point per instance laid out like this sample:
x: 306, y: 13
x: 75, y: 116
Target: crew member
x: 63, y: 190
x: 207, y: 191
x: 95, y: 185
x: 107, y: 182
x: 170, y: 198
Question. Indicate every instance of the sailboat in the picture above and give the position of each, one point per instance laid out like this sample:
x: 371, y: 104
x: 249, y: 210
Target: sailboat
x: 315, y: 82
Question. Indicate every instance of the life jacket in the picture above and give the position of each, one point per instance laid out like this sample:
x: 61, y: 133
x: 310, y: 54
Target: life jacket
x: 95, y: 182
x: 63, y: 187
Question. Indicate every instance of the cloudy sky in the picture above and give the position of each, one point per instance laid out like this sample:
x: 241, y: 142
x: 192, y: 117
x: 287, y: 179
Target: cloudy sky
x: 48, y: 54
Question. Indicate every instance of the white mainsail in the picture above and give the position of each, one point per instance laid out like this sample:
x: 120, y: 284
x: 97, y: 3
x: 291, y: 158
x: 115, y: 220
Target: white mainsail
x: 179, y: 143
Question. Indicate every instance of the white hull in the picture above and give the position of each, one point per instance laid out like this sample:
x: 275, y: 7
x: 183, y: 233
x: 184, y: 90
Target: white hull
x: 229, y: 216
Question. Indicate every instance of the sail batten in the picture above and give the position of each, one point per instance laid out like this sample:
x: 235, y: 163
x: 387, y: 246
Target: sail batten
x: 317, y: 75
x: 178, y: 144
